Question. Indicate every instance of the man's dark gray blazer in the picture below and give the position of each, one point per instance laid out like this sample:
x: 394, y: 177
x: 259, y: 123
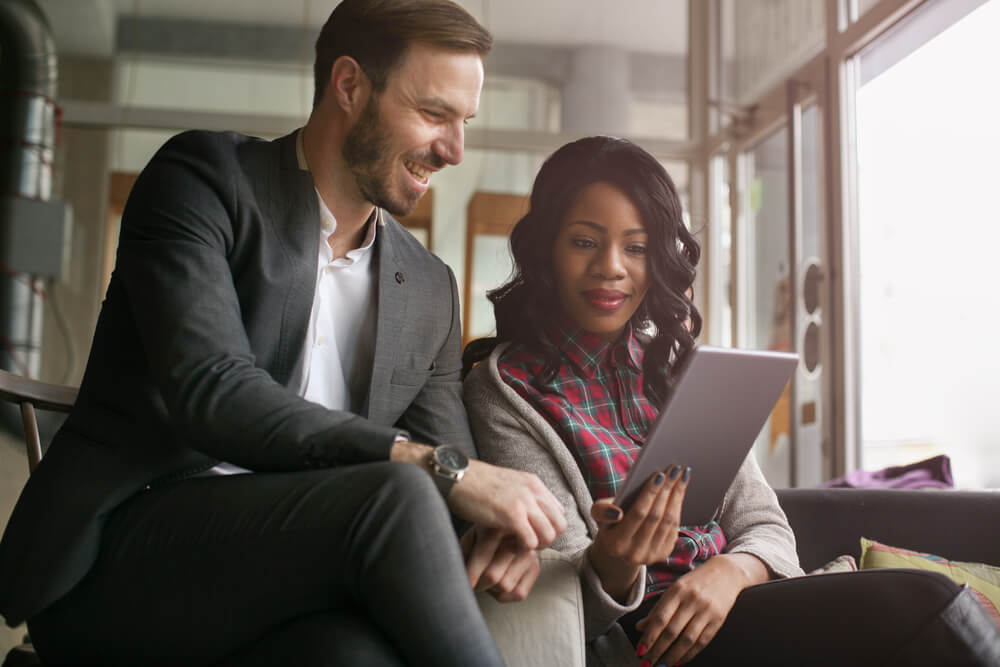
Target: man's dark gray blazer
x: 198, y: 338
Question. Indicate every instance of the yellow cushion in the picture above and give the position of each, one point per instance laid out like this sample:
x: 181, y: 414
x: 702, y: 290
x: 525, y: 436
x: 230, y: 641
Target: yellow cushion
x: 983, y: 579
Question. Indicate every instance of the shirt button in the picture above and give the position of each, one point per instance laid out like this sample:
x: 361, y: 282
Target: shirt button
x: 327, y: 224
x: 321, y: 341
x: 329, y: 268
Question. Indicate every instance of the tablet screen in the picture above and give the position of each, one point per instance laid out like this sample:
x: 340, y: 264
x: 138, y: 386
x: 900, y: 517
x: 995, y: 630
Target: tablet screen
x: 720, y: 402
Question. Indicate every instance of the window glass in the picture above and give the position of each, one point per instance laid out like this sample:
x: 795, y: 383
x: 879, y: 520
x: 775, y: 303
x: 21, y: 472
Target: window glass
x: 928, y: 234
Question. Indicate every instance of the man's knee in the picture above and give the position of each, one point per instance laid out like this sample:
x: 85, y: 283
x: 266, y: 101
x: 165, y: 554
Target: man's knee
x: 405, y: 502
x: 412, y: 487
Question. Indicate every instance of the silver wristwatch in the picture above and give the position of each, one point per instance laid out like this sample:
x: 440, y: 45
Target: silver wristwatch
x: 448, y: 465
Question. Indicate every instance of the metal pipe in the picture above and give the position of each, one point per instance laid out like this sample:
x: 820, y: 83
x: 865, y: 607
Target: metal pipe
x: 28, y: 121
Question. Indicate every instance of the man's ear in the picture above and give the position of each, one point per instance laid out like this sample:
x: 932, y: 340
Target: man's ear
x: 349, y: 85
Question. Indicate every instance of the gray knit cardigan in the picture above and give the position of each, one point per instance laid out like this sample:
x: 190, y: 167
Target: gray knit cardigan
x: 509, y: 432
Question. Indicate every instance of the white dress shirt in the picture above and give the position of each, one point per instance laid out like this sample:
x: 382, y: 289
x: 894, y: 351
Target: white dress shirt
x: 340, y: 342
x: 334, y: 368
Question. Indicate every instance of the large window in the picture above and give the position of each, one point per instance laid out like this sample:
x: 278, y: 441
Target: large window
x: 928, y: 238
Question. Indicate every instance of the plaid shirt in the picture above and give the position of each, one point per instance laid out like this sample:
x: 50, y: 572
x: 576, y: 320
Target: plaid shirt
x: 596, y: 404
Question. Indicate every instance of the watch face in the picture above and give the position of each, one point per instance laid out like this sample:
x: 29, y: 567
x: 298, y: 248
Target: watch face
x: 451, y: 458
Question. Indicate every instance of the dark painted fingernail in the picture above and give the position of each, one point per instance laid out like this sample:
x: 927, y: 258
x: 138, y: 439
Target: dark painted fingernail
x: 641, y: 651
x: 645, y: 663
x: 612, y: 514
x: 674, y: 471
x: 687, y: 474
x: 658, y: 480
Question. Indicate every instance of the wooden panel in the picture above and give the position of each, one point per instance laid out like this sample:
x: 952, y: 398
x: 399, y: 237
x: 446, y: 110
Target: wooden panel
x: 495, y: 213
x: 488, y: 214
x: 422, y: 217
x: 118, y: 191
x: 121, y: 186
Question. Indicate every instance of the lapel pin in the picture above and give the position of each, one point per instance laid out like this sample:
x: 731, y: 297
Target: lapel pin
x: 400, y: 278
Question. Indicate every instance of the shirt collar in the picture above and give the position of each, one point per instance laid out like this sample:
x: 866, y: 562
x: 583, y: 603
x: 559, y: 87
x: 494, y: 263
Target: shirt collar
x: 328, y: 225
x: 588, y: 351
x: 300, y: 150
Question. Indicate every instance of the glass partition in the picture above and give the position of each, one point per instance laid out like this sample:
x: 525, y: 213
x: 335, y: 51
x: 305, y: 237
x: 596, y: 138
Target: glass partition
x: 719, y: 257
x: 763, y: 279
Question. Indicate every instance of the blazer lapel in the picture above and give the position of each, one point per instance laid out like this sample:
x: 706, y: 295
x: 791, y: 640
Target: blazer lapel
x: 392, y: 303
x: 292, y: 210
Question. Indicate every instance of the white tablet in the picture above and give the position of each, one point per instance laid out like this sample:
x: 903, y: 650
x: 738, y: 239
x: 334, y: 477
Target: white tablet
x: 719, y: 404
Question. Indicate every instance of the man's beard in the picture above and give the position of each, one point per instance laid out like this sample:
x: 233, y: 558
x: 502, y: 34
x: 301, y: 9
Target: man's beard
x: 366, y: 155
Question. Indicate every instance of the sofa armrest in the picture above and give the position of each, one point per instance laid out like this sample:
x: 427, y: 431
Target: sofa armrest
x: 954, y: 524
x: 546, y: 629
x: 863, y: 619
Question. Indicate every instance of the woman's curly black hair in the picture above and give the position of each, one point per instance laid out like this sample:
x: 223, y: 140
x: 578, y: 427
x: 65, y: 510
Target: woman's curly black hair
x: 529, y: 299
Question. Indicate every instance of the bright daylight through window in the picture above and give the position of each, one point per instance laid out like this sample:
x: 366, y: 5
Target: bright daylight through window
x: 928, y: 142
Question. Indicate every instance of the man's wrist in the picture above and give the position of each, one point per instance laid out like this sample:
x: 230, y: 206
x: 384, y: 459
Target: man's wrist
x: 448, y: 466
x: 408, y: 451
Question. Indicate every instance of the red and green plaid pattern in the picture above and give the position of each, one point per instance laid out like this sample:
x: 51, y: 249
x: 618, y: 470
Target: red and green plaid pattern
x: 596, y: 404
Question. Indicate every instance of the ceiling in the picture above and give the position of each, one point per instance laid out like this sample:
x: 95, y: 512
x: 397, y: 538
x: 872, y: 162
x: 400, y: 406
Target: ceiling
x: 86, y: 27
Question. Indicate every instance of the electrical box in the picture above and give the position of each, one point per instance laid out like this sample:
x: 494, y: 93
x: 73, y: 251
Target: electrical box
x: 34, y: 236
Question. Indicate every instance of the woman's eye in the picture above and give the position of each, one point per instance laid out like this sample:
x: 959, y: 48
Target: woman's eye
x: 637, y: 249
x: 584, y: 243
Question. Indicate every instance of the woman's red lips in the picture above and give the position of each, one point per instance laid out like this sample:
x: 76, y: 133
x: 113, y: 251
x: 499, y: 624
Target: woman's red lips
x: 605, y: 299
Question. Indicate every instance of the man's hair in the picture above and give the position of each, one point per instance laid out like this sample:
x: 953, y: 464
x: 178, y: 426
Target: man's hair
x: 376, y: 33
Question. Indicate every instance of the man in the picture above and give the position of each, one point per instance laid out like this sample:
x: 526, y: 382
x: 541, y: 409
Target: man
x: 236, y: 480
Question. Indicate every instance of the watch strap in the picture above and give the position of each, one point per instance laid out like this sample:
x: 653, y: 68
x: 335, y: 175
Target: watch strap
x: 443, y: 483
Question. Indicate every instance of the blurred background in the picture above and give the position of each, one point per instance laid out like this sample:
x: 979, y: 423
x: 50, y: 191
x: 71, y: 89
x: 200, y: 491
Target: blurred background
x: 835, y: 157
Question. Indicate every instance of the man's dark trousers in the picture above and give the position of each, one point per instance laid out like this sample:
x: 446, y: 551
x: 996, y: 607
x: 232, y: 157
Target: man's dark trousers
x: 321, y: 567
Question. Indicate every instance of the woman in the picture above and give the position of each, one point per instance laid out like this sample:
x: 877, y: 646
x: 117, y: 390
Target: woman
x: 590, y: 330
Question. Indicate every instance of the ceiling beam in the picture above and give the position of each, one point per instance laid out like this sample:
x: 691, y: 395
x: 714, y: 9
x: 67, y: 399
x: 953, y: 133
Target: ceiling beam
x: 652, y: 75
x: 79, y: 113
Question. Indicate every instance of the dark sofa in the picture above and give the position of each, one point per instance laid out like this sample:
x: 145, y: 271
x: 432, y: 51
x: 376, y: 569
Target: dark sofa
x: 872, y: 617
x: 960, y: 525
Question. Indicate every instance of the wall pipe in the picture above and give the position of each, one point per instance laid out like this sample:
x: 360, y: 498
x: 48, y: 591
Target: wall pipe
x: 28, y: 134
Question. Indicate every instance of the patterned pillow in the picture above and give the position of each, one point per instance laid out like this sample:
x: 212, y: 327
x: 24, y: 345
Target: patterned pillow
x: 845, y: 563
x: 983, y: 580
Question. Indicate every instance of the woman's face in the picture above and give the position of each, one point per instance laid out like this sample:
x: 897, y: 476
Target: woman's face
x: 599, y: 259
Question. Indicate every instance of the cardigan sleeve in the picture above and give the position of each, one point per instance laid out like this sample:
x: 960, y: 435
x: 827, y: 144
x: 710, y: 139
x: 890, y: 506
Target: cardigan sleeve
x: 517, y: 438
x: 754, y: 522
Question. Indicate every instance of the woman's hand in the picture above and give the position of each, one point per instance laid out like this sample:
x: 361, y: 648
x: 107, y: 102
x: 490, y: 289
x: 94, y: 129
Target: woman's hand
x: 645, y: 534
x: 691, y: 611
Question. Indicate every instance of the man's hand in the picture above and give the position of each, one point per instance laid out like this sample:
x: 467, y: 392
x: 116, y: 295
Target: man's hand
x: 498, y: 565
x: 514, y: 502
x: 689, y: 613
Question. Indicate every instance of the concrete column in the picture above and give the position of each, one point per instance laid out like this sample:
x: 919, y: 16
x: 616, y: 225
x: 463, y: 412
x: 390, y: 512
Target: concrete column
x: 596, y: 96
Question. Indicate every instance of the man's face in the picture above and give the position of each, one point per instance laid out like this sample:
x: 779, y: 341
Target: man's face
x: 414, y: 127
